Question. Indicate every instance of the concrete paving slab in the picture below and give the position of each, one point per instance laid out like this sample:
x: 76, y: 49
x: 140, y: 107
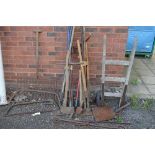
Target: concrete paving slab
x: 151, y: 66
x: 153, y: 70
x: 133, y: 73
x: 148, y: 80
x: 144, y: 72
x: 139, y: 89
x: 134, y: 78
x: 142, y: 67
x: 151, y: 88
x: 149, y: 61
x: 139, y: 64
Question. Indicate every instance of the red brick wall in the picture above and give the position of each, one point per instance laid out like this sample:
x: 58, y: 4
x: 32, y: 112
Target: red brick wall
x: 18, y: 47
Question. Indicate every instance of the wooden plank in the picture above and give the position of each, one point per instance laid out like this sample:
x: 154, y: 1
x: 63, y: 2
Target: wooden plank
x: 122, y: 99
x: 81, y: 92
x: 66, y: 88
x: 82, y: 69
x: 103, y: 65
x: 131, y: 60
x: 67, y: 62
x: 65, y: 85
x: 117, y: 62
x: 104, y: 57
x: 88, y: 76
x: 115, y: 79
x: 110, y: 94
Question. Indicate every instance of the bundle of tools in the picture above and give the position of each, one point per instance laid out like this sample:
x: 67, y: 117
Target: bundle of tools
x: 78, y: 101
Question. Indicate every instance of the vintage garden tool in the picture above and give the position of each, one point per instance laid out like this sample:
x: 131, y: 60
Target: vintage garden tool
x: 88, y: 77
x: 104, y: 113
x: 86, y: 67
x: 69, y: 46
x: 65, y: 108
x: 70, y: 88
x: 79, y: 108
x: 77, y: 94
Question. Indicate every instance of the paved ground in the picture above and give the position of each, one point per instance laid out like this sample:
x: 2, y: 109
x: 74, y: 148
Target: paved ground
x: 142, y: 80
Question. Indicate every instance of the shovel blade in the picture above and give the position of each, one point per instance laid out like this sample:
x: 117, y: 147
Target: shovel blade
x: 103, y: 113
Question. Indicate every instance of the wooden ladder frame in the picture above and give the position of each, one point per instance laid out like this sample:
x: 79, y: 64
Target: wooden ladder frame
x: 124, y: 80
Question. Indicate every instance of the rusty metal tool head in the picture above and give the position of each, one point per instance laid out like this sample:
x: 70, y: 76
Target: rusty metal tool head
x: 104, y: 113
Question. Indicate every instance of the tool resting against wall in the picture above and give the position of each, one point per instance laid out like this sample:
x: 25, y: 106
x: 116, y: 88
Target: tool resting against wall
x: 80, y: 101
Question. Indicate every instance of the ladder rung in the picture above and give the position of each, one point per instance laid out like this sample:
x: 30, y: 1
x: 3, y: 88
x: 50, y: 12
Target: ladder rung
x: 117, y: 62
x: 115, y: 79
x: 110, y: 94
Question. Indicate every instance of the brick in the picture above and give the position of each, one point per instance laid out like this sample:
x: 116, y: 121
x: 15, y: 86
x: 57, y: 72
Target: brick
x: 94, y: 45
x: 106, y: 30
x: 61, y: 40
x: 51, y: 34
x: 59, y: 28
x: 45, y: 43
x: 46, y: 28
x: 91, y: 29
x: 52, y: 53
x: 21, y: 66
x: 25, y: 33
x: 58, y: 49
x: 24, y: 28
x: 10, y: 34
x: 50, y: 75
x: 11, y: 44
x: 121, y: 30
x: 4, y: 28
x: 14, y: 39
x: 60, y: 44
x: 1, y: 34
x: 25, y: 43
x: 8, y: 65
x: 59, y: 75
x: 30, y: 38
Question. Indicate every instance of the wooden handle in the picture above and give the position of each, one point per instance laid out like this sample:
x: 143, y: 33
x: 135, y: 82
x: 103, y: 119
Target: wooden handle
x: 82, y: 69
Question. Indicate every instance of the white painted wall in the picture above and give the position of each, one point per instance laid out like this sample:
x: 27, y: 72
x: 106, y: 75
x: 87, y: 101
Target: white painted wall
x: 3, y: 99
